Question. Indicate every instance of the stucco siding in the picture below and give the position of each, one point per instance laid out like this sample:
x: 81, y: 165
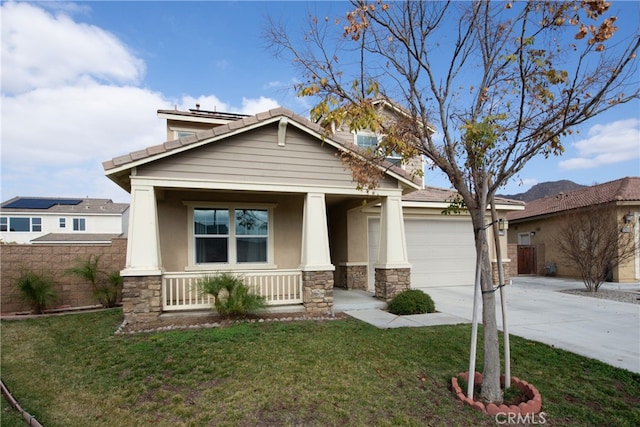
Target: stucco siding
x: 255, y: 156
x: 547, y: 229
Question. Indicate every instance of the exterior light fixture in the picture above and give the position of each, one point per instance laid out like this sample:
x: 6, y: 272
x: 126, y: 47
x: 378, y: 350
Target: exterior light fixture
x: 628, y: 218
x: 503, y: 224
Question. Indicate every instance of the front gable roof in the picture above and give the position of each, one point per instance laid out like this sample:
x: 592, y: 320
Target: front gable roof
x: 118, y: 169
x: 621, y: 190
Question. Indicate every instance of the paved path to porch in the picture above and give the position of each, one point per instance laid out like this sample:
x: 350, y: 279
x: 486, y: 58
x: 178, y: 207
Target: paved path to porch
x: 597, y: 328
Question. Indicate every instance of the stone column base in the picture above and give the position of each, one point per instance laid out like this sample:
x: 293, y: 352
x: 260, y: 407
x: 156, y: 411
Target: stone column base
x: 390, y: 282
x: 317, y: 289
x: 141, y: 299
x: 495, y: 277
x: 352, y: 277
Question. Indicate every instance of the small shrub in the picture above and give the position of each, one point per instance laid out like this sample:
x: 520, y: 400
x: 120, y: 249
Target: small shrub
x: 232, y: 297
x: 106, y: 286
x: 36, y: 289
x: 411, y: 301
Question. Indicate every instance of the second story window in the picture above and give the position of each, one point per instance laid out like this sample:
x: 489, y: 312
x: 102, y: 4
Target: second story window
x: 79, y: 224
x: 21, y: 224
x: 367, y: 140
x: 62, y: 223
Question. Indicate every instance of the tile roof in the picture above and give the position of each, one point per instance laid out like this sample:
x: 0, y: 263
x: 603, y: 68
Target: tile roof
x: 624, y: 189
x: 86, y: 206
x: 238, y: 125
x: 435, y: 194
x: 75, y: 238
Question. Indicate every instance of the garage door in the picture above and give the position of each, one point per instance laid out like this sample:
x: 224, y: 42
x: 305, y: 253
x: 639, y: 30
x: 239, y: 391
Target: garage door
x: 441, y: 252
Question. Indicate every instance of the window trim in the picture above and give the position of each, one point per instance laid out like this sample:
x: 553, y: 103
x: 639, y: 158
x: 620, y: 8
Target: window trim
x: 232, y: 263
x: 84, y: 223
x: 176, y: 130
x: 396, y: 160
x: 521, y: 238
x: 31, y: 227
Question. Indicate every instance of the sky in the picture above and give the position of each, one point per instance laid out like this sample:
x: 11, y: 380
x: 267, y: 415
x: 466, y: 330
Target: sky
x: 82, y: 83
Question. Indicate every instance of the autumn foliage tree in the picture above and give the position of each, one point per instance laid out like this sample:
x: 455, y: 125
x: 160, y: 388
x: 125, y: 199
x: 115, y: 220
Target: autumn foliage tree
x: 501, y: 82
x: 595, y: 241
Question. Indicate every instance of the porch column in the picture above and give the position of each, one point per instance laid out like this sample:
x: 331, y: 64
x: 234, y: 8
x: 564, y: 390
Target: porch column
x: 143, y: 243
x: 317, y: 270
x: 141, y: 293
x: 392, y: 269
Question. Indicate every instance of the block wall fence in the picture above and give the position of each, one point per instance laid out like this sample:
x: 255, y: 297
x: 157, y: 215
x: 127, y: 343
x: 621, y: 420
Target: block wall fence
x: 55, y: 259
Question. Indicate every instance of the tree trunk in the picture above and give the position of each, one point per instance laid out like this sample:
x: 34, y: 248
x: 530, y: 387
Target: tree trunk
x: 491, y: 391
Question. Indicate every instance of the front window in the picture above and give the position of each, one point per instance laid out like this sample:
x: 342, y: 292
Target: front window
x: 4, y: 223
x: 231, y: 235
x: 211, y: 232
x: 79, y: 224
x: 63, y: 222
x: 36, y: 224
x: 252, y: 232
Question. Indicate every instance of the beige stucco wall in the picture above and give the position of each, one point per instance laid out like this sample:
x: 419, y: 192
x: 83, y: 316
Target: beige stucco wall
x: 547, y: 229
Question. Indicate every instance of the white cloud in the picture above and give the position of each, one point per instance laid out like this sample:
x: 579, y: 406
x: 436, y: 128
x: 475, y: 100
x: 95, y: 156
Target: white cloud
x: 71, y: 100
x: 206, y: 102
x: 50, y: 134
x: 255, y: 106
x: 606, y: 144
x: 66, y: 106
x: 41, y: 50
x: 213, y: 103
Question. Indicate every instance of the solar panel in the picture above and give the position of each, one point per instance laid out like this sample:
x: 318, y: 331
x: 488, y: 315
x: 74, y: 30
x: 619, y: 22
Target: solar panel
x: 29, y: 203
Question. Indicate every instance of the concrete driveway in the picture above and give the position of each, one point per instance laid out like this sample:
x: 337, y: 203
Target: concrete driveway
x: 597, y: 328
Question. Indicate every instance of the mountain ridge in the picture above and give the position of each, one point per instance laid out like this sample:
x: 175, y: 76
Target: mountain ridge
x: 545, y: 189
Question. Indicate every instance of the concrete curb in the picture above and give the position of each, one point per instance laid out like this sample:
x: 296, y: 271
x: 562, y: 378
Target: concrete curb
x: 15, y: 405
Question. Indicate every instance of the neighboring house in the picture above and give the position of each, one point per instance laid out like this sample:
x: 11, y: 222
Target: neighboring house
x: 268, y: 197
x: 534, y: 229
x: 62, y: 220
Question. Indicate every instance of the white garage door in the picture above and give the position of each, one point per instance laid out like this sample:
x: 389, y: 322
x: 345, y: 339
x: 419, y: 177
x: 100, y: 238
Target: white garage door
x: 441, y: 252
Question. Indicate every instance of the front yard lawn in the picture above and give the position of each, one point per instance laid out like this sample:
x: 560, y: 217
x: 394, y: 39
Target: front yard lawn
x: 73, y: 371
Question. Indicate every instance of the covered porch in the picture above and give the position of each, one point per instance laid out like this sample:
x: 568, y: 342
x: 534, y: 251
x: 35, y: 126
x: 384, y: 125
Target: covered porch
x: 310, y: 247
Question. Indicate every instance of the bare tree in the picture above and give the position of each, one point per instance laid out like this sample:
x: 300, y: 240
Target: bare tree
x: 595, y: 242
x: 500, y: 82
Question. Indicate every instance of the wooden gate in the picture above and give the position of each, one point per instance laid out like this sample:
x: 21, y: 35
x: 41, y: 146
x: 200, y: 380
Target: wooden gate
x: 527, y: 260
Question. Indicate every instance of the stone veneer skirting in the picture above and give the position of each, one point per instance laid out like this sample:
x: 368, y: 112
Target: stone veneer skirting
x: 317, y: 292
x: 352, y: 277
x: 141, y: 299
x: 494, y: 272
x: 390, y: 282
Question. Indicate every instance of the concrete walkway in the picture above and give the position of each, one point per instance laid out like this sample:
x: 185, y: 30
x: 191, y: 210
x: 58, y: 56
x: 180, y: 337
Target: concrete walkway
x: 597, y: 328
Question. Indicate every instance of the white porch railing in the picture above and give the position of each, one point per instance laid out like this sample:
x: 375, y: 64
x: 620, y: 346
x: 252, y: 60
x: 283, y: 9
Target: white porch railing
x: 279, y: 287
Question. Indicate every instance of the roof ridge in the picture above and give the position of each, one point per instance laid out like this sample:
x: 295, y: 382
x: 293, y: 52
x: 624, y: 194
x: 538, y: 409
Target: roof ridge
x: 621, y: 189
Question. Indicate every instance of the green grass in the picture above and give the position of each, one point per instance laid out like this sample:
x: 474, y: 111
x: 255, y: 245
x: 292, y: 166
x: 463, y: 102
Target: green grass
x: 73, y: 371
